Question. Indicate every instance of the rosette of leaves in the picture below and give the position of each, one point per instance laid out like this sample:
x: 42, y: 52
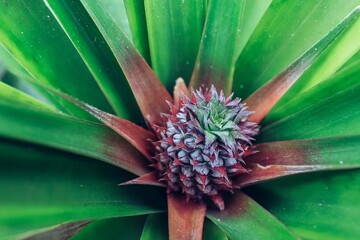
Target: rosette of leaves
x: 80, y: 104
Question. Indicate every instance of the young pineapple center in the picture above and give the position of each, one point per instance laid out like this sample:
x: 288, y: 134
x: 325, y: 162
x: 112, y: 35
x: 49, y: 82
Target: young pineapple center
x: 203, y: 144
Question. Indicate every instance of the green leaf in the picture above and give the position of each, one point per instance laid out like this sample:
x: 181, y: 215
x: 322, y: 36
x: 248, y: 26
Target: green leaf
x: 316, y: 206
x: 347, y: 78
x: 27, y: 85
x: 94, y: 51
x: 36, y: 125
x: 263, y: 99
x: 33, y: 37
x: 14, y: 96
x: 243, y: 218
x: 135, y: 11
x: 277, y: 159
x: 156, y: 227
x: 175, y: 29
x: 217, y: 54
x: 9, y: 63
x: 41, y: 187
x: 213, y: 232
x: 150, y: 94
x: 353, y: 61
x: 118, y: 12
x: 329, y: 109
x: 128, y: 228
x: 253, y: 12
x: 287, y: 29
x: 338, y: 53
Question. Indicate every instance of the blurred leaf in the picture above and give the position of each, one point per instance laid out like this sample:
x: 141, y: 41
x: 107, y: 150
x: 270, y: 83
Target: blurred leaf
x: 156, y: 227
x: 9, y: 63
x: 217, y: 54
x: 243, y: 218
x: 288, y: 29
x: 353, y: 61
x: 33, y: 37
x: 41, y: 187
x: 94, y: 51
x: 128, y: 228
x: 135, y: 11
x: 316, y: 206
x: 277, y: 159
x: 150, y: 94
x: 36, y: 125
x: 175, y: 27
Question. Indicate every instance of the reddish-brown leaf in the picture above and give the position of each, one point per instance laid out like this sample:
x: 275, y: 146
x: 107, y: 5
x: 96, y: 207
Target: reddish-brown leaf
x: 277, y: 159
x: 186, y: 218
x: 150, y: 94
x: 62, y: 231
x: 179, y: 89
x: 147, y: 179
x: 134, y: 134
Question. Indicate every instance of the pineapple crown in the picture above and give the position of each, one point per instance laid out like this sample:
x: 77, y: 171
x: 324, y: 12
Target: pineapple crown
x: 203, y: 143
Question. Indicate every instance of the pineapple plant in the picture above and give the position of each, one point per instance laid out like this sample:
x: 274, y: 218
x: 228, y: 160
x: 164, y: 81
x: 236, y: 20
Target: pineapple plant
x: 217, y: 120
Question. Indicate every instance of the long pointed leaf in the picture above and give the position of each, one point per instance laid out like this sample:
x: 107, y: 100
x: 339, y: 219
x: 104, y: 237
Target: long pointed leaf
x: 138, y: 136
x: 175, y: 29
x: 342, y: 80
x: 317, y: 205
x: 286, y: 31
x: 334, y: 115
x: 135, y: 11
x: 128, y: 228
x: 149, y: 93
x: 217, y: 54
x: 146, y: 179
x: 337, y: 54
x: 155, y: 228
x: 62, y: 231
x: 34, y: 38
x: 262, y: 101
x: 243, y: 218
x: 91, y: 46
x: 277, y: 159
x: 213, y: 232
x: 42, y: 187
x: 14, y: 96
x: 185, y: 218
x: 69, y: 134
x: 253, y: 12
x: 14, y: 67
